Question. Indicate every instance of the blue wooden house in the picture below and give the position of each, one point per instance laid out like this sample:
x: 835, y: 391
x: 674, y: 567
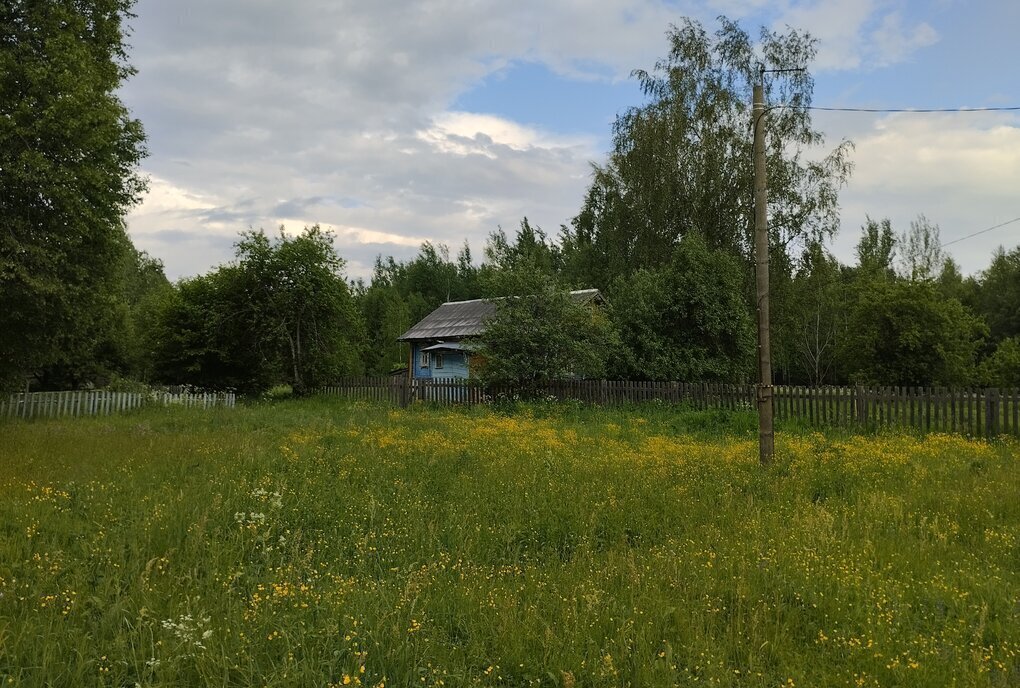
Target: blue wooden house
x: 441, y: 343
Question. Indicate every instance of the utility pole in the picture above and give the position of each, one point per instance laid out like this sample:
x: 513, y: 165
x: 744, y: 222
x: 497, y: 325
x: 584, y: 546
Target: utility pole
x: 766, y: 436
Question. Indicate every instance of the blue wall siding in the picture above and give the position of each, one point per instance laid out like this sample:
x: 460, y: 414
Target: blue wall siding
x: 455, y: 364
x: 419, y: 372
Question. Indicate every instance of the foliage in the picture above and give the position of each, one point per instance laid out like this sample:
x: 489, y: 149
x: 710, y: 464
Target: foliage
x: 819, y: 316
x: 201, y: 338
x: 299, y: 305
x: 1002, y: 367
x: 310, y: 543
x: 921, y: 256
x: 545, y: 336
x: 876, y: 249
x: 143, y: 288
x: 521, y: 266
x: 686, y: 320
x: 680, y: 163
x: 953, y: 285
x: 68, y: 151
x: 999, y: 295
x: 281, y: 312
x: 906, y: 333
x: 386, y: 316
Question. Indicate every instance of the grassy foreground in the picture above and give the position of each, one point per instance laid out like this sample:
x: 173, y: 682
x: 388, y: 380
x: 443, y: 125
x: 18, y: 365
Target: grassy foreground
x: 318, y: 543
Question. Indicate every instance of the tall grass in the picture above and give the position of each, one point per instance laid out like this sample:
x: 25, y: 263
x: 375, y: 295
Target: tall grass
x: 316, y: 543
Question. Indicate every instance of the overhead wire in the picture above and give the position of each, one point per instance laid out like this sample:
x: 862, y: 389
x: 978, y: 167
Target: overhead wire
x: 1010, y: 108
x: 987, y: 229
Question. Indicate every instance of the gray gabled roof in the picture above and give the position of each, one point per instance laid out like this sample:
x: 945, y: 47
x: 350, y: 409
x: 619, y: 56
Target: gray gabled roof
x: 457, y: 319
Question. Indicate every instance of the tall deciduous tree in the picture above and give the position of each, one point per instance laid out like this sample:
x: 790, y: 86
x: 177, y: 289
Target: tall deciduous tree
x: 907, y: 333
x: 876, y: 249
x: 921, y: 257
x: 818, y: 321
x: 681, y: 163
x: 686, y: 320
x: 998, y: 297
x: 281, y: 312
x: 299, y: 305
x: 521, y: 265
x: 543, y: 336
x: 68, y: 156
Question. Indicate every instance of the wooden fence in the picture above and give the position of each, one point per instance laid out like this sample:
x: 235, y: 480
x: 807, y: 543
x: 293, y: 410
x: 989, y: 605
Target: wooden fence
x: 971, y: 411
x: 101, y: 403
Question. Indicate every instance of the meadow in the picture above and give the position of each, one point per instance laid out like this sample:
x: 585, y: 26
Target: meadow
x: 328, y: 543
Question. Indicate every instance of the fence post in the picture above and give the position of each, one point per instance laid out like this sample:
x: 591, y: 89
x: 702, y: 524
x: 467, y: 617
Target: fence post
x: 991, y: 413
x: 861, y: 406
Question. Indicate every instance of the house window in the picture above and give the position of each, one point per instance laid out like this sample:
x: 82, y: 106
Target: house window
x: 424, y: 359
x: 439, y: 361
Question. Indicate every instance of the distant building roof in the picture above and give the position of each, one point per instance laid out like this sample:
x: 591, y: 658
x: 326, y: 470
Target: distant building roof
x: 456, y: 319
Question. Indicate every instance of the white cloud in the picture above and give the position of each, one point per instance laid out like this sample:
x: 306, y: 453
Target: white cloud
x: 893, y: 42
x: 961, y: 170
x: 466, y: 133
x: 164, y: 197
x: 857, y: 34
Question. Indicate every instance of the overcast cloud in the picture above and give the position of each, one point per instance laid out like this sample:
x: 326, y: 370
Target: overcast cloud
x: 345, y: 113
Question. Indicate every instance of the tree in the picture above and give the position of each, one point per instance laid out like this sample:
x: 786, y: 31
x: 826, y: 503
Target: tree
x: 686, y: 320
x: 68, y: 153
x: 299, y: 305
x: 521, y: 266
x: 386, y: 315
x: 906, y: 333
x: 681, y: 163
x: 1002, y: 368
x: 921, y: 255
x: 202, y: 336
x: 953, y: 285
x: 545, y: 336
x: 819, y: 320
x: 429, y: 280
x: 282, y: 312
x: 876, y: 249
x: 998, y: 297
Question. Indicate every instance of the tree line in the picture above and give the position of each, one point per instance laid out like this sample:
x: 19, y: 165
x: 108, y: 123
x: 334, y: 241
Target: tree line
x: 664, y: 231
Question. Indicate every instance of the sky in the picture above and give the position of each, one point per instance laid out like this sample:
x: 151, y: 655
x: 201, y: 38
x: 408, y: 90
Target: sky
x: 395, y: 122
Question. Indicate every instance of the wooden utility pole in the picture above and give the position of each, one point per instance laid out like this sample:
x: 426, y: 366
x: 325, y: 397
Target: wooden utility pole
x: 766, y: 436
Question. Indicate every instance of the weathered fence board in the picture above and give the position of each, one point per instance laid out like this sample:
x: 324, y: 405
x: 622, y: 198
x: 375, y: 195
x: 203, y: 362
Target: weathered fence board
x: 100, y: 402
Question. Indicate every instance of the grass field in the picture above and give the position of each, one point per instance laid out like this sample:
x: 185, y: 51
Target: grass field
x: 316, y: 543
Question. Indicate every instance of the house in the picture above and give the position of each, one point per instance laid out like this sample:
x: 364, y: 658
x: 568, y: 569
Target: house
x: 441, y: 346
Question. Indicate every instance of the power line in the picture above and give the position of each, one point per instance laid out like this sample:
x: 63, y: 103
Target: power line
x: 1001, y: 224
x: 1011, y: 108
x: 919, y: 110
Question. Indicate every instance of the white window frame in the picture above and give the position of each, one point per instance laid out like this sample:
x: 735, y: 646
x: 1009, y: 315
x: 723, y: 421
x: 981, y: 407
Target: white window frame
x: 424, y: 359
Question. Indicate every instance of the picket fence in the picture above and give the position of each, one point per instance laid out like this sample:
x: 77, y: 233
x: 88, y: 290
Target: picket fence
x: 978, y: 412
x: 101, y: 403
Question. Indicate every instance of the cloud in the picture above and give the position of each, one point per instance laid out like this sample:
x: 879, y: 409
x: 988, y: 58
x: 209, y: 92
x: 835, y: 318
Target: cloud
x: 336, y: 113
x: 467, y: 133
x: 960, y: 170
x: 893, y: 42
x: 339, y: 112
x: 856, y: 34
